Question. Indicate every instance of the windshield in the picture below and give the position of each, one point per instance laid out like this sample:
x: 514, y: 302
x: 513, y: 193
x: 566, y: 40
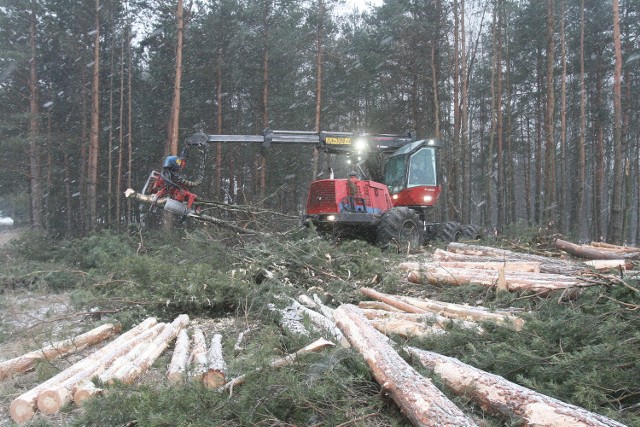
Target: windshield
x: 394, y: 174
x: 422, y: 170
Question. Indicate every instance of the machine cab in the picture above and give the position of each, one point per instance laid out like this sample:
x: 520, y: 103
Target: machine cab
x: 410, y: 173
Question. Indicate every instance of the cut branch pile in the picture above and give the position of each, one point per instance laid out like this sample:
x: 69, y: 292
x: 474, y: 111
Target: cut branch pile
x: 125, y: 358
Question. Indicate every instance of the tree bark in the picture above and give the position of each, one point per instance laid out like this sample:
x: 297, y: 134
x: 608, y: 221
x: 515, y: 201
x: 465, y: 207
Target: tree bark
x: 550, y: 199
x: 35, y: 180
x: 500, y: 397
x: 581, y: 227
x: 416, y: 395
x: 616, y: 222
x: 94, y: 137
x: 523, y: 266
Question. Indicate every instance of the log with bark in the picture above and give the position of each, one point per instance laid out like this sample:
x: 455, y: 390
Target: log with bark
x: 323, y: 323
x: 609, y: 264
x: 378, y: 305
x: 501, y: 397
x: 23, y: 407
x: 591, y: 252
x: 429, y: 319
x: 58, y: 349
x: 416, y: 395
x: 198, y: 356
x: 615, y: 248
x: 287, y: 360
x: 52, y: 398
x: 290, y: 320
x: 450, y: 310
x: 179, y: 358
x: 457, y: 251
x: 524, y: 266
x: 512, y: 281
x: 215, y: 376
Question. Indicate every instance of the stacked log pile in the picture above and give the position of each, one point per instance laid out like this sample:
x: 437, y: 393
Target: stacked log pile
x: 463, y: 264
x: 124, y: 359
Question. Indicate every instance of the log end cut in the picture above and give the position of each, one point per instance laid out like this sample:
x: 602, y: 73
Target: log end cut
x: 50, y: 401
x: 213, y: 379
x: 85, y: 392
x: 22, y: 410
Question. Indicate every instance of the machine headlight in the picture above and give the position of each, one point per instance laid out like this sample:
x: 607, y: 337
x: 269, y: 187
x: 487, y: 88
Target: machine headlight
x: 331, y: 218
x: 428, y: 199
x: 394, y: 197
x: 360, y: 144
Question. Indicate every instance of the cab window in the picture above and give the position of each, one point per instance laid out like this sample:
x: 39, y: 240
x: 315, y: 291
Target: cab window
x: 422, y: 168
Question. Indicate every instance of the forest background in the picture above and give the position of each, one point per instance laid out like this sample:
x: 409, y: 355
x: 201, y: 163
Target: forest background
x: 536, y: 103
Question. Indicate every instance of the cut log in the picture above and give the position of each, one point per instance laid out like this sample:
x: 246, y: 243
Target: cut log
x: 406, y: 328
x: 427, y: 318
x: 87, y: 390
x: 237, y: 347
x: 24, y: 406
x: 615, y: 248
x: 498, y: 396
x: 324, y: 309
x: 514, y: 281
x: 307, y: 301
x: 131, y: 372
x: 524, y: 266
x: 464, y: 252
x: 466, y: 312
x: 609, y: 264
x: 590, y: 252
x: 215, y: 376
x: 315, y: 346
x: 198, y: 356
x: 290, y: 320
x: 322, y: 322
x: 52, y: 398
x: 392, y: 301
x: 57, y: 349
x: 378, y: 305
x: 180, y: 357
x: 416, y: 395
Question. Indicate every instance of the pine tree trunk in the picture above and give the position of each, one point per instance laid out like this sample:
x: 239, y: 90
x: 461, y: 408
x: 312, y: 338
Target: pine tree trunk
x: 563, y: 197
x: 94, y: 140
x: 550, y: 199
x: 464, y: 117
x: 120, y: 141
x: 319, y: 62
x: 218, y: 179
x: 598, y: 191
x: 616, y: 232
x: 171, y: 147
x: 35, y: 180
x: 129, y: 121
x: 581, y: 160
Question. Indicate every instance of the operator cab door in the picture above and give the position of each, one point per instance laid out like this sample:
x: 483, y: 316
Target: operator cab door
x: 411, y: 174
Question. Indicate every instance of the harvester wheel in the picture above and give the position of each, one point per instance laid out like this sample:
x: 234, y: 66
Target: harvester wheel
x: 400, y: 230
x: 449, y: 231
x: 471, y: 232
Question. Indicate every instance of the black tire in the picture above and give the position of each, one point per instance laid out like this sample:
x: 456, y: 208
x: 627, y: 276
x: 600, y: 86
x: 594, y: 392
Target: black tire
x: 471, y: 232
x: 400, y: 229
x: 449, y: 231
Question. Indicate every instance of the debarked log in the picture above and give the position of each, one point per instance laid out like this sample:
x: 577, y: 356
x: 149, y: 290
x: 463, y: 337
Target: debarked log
x: 57, y: 349
x: 416, y: 396
x: 198, y: 356
x: 428, y: 319
x: 591, y: 252
x: 501, y: 397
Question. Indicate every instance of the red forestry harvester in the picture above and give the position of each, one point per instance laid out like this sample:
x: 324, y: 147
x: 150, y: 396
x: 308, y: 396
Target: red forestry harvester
x: 392, y: 213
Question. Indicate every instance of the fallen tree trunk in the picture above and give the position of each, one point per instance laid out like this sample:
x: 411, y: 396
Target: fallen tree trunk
x: 466, y: 312
x: 498, y: 396
x: 290, y: 320
x: 416, y: 395
x: 522, y: 266
x: 405, y: 328
x: 609, y: 264
x: 379, y: 305
x: 58, y: 349
x: 615, y: 248
x: 180, y: 357
x: 322, y: 322
x: 198, y: 356
x: 51, y: 399
x: 513, y: 281
x: 215, y: 376
x: 590, y: 252
x: 315, y: 346
x: 392, y: 301
x: 23, y: 407
x: 486, y: 253
x: 429, y: 318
